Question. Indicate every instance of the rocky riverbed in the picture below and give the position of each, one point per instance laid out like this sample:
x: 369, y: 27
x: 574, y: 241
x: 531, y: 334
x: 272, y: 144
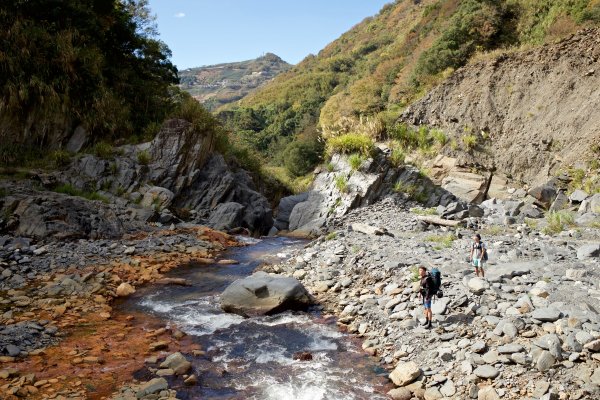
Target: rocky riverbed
x: 529, y: 330
x: 59, y: 334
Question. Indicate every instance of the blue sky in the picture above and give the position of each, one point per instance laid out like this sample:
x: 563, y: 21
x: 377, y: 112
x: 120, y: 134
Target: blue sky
x: 205, y: 32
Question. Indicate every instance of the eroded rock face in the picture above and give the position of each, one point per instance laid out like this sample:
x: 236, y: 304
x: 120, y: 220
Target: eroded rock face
x: 264, y: 294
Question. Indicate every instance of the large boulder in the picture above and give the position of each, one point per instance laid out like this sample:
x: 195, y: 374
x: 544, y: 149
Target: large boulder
x: 226, y: 216
x: 157, y: 198
x: 52, y: 215
x: 78, y: 139
x: 544, y: 194
x: 466, y: 186
x: 588, y: 251
x: 264, y: 294
x: 405, y: 373
x: 284, y: 210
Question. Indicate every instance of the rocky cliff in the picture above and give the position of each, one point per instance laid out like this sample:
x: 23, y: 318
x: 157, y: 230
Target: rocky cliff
x: 531, y: 112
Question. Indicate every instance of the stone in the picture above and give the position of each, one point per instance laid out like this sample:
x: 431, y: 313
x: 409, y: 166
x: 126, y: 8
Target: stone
x: 487, y: 393
x: 546, y: 314
x: 510, y: 348
x: 545, y: 361
x: 575, y: 274
x: 405, y: 373
x: 588, y: 251
x: 178, y: 363
x: 153, y: 386
x: 593, y: 345
x: 595, y: 378
x: 467, y: 186
x: 261, y: 293
x: 284, y: 210
x: 578, y: 196
x: 400, y: 394
x: 486, y: 372
x: 77, y: 140
x: 543, y: 194
x: 478, y: 285
x: 191, y: 380
x: 124, y: 290
x: 226, y: 216
x: 560, y: 202
x: 448, y: 389
x: 432, y: 393
x: 158, y: 198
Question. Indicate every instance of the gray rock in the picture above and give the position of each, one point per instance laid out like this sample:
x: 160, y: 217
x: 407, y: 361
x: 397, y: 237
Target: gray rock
x: 77, y: 140
x: 578, y: 196
x: 226, y: 216
x: 510, y: 348
x: 284, y: 210
x: 545, y: 361
x: 487, y: 393
x: 588, y: 251
x: 486, y: 372
x: 157, y: 198
x: 560, y: 202
x: 478, y: 285
x: 153, y: 386
x: 546, y: 314
x: 405, y: 373
x: 12, y: 350
x: 543, y: 194
x: 178, y: 363
x: 531, y: 211
x: 262, y: 293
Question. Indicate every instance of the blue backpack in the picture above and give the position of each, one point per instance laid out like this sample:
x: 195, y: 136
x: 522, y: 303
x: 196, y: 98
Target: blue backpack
x: 436, y: 278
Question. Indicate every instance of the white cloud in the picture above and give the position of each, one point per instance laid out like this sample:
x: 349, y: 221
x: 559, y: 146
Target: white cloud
x: 179, y: 15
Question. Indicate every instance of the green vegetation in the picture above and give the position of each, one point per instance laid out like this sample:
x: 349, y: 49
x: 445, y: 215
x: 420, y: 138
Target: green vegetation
x: 101, y: 68
x: 492, y: 230
x: 470, y: 141
x: 362, y: 82
x: 355, y: 160
x: 350, y: 143
x: 73, y: 191
x: 331, y: 236
x: 220, y: 84
x: 341, y: 183
x: 397, y: 157
x: 3, y: 193
x: 531, y: 223
x: 443, y: 241
x: 414, y: 274
x: 330, y: 167
x: 295, y: 184
x: 103, y: 150
x: 412, y: 191
x: 423, y: 211
x: 557, y: 221
x: 143, y: 157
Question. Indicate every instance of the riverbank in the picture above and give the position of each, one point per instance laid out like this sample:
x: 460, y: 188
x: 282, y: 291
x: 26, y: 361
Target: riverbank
x: 62, y: 336
x: 531, y: 329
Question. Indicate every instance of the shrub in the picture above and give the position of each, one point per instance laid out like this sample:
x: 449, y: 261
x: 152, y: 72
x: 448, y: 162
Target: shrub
x: 423, y: 211
x: 444, y: 241
x: 341, y: 182
x: 470, y: 141
x: 397, y: 157
x: 103, y: 150
x: 350, y: 143
x: 355, y: 160
x: 70, y: 190
x: 439, y: 136
x: 330, y: 167
x: 301, y: 156
x: 60, y: 158
x: 331, y: 236
x: 143, y: 157
x: 557, y: 221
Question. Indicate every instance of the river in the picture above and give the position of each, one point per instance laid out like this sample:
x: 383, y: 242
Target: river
x: 252, y: 358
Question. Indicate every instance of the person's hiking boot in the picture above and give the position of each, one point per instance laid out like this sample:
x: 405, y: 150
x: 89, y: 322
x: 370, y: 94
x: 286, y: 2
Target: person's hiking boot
x: 425, y: 323
x: 428, y: 324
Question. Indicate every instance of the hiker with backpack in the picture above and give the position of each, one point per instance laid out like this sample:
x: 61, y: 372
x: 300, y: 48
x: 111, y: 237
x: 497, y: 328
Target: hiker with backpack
x: 430, y: 286
x: 478, y: 255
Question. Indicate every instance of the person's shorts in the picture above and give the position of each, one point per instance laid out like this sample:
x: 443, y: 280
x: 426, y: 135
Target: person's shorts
x: 427, y: 303
x: 478, y: 263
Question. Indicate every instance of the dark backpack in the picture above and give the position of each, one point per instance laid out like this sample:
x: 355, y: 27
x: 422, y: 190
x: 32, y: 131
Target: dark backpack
x: 483, y: 249
x: 436, y: 279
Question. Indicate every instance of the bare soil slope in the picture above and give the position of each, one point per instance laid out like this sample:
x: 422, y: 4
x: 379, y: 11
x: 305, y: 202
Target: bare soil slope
x: 533, y: 112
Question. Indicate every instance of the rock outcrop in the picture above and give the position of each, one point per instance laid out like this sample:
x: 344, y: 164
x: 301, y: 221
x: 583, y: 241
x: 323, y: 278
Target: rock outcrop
x: 504, y: 103
x: 177, y: 170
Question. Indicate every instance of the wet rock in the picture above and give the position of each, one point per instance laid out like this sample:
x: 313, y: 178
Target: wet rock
x: 302, y: 356
x: 124, y: 290
x: 191, y: 380
x: 153, y: 386
x: 178, y: 363
x: 262, y: 293
x: 405, y: 373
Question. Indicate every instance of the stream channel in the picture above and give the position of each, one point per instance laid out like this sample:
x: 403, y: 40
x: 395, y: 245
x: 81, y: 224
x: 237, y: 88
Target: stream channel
x: 252, y: 358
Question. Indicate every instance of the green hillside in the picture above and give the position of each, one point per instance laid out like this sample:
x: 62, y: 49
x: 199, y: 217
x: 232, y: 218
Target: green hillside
x: 361, y: 82
x: 216, y: 85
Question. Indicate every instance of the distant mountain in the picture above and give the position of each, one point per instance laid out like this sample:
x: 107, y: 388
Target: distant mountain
x: 215, y: 85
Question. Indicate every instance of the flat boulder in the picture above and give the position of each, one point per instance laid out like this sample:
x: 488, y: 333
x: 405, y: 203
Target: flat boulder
x: 478, y: 285
x: 405, y: 373
x: 264, y: 294
x: 588, y: 251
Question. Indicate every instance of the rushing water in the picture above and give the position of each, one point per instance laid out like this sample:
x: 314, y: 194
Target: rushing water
x: 253, y: 358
